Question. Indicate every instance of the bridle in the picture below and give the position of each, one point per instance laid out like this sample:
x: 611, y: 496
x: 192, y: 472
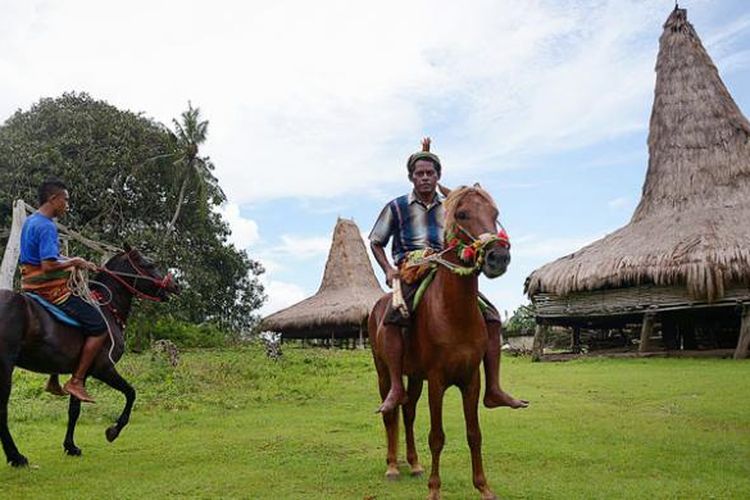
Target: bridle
x: 470, y: 252
x: 140, y: 275
x: 473, y: 251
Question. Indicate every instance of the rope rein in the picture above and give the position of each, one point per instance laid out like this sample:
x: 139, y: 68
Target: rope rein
x: 79, y: 287
x: 474, y: 250
x: 78, y: 283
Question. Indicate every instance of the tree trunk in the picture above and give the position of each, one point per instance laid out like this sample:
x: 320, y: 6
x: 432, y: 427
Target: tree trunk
x: 181, y: 197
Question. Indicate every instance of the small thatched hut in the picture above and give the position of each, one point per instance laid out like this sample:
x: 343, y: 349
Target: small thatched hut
x: 683, y: 261
x: 340, y: 307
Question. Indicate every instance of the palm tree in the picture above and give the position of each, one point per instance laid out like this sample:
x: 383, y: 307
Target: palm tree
x: 190, y: 132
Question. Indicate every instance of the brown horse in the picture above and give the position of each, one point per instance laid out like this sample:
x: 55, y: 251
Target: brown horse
x: 448, y: 338
x: 30, y: 338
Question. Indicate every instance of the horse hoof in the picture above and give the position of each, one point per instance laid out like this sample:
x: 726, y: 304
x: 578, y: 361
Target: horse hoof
x: 19, y: 461
x: 392, y: 474
x: 434, y: 495
x: 111, y: 433
x: 417, y: 471
x: 73, y: 451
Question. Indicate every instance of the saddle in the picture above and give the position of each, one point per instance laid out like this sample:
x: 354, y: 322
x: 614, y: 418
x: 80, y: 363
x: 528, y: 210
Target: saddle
x: 57, y: 313
x: 417, y: 275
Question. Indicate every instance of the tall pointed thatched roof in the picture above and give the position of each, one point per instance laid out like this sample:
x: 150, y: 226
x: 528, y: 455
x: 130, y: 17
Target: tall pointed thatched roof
x: 345, y: 297
x: 692, y: 226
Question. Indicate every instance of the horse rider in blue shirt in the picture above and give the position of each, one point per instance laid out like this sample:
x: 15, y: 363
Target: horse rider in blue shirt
x: 45, y: 272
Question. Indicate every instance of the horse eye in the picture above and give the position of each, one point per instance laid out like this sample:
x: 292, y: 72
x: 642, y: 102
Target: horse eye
x: 462, y: 216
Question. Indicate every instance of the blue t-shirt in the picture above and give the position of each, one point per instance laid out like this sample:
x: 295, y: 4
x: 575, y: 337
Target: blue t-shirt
x: 39, y: 240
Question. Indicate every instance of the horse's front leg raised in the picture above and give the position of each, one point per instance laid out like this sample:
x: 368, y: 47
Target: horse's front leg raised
x: 113, y: 379
x: 436, y: 391
x: 74, y: 411
x: 470, y: 395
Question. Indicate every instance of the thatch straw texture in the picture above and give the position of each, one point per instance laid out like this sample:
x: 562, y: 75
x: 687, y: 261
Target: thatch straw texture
x: 345, y: 297
x: 692, y: 226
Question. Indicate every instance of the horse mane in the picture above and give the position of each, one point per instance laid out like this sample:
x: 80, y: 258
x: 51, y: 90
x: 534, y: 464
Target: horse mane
x: 456, y: 195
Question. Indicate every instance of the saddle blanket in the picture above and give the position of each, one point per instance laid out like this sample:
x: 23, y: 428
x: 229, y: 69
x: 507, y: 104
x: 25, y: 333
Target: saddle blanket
x: 55, y: 311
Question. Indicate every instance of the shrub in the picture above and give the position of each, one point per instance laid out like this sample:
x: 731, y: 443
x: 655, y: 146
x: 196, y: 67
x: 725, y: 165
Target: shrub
x: 142, y: 332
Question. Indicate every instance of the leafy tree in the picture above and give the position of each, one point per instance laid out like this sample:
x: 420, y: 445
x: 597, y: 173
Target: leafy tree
x: 522, y: 321
x: 120, y: 167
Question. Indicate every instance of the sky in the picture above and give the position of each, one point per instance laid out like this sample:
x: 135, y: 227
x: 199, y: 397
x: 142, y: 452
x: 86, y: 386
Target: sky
x: 313, y: 107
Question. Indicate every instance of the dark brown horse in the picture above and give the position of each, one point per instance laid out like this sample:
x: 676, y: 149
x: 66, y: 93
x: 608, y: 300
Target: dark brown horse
x: 448, y: 337
x: 30, y: 338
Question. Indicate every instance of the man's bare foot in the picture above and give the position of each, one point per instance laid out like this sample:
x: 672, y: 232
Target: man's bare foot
x: 53, y: 386
x: 395, y: 397
x: 75, y: 387
x: 498, y: 397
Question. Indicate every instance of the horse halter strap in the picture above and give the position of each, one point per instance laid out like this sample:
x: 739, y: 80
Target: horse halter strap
x: 162, y: 283
x: 473, y: 251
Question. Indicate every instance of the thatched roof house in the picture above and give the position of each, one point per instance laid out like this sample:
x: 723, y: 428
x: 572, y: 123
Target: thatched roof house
x: 687, y: 244
x: 340, y: 307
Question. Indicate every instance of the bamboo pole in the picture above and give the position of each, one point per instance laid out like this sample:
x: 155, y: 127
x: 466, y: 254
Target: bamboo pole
x: 97, y: 246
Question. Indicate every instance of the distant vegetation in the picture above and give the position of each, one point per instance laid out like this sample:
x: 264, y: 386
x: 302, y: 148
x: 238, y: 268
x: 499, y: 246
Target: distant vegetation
x: 521, y: 322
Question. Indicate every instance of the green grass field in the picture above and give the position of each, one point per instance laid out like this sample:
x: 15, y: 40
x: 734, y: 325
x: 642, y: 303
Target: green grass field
x: 233, y: 424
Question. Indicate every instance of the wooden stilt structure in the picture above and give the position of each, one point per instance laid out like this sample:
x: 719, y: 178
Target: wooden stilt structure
x: 743, y: 343
x: 575, y: 343
x: 647, y: 329
x: 537, y: 349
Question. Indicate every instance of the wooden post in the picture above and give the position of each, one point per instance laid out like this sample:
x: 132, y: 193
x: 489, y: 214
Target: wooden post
x: 538, y: 348
x: 361, y: 340
x: 647, y: 328
x: 13, y: 248
x: 575, y: 344
x: 743, y: 342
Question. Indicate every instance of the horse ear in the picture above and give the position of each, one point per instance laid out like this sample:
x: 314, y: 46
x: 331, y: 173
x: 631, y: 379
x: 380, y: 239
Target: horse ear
x: 126, y: 246
x: 444, y: 190
x: 477, y: 185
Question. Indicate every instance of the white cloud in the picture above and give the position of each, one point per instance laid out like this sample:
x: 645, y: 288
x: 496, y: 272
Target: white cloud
x: 271, y: 265
x: 301, y: 247
x: 244, y: 231
x: 619, y: 202
x: 545, y: 249
x: 280, y: 295
x: 324, y: 98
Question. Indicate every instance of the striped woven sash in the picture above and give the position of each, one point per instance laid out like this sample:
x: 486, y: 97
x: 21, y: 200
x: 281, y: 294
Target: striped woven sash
x: 52, y: 286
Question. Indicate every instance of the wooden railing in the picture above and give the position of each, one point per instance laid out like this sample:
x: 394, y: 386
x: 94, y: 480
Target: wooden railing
x: 13, y: 248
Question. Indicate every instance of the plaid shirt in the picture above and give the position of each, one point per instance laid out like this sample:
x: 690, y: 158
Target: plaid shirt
x: 412, y: 225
